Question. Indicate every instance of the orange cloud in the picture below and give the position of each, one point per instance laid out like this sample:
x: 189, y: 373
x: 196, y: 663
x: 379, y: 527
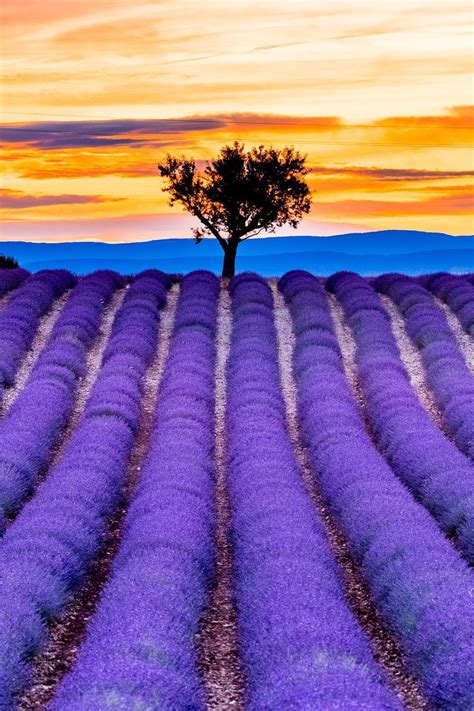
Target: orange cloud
x: 116, y: 159
x: 443, y: 205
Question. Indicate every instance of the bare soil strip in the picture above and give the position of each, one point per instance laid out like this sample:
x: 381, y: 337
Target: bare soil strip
x: 411, y: 359
x: 384, y: 646
x: 464, y: 341
x: 5, y: 299
x: 216, y: 641
x: 45, y: 326
x: 66, y: 633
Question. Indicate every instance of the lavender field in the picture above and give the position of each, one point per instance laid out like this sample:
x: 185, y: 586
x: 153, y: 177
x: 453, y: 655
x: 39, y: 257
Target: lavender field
x: 255, y: 495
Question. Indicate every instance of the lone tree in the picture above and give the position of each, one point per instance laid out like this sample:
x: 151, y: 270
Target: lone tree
x: 240, y: 193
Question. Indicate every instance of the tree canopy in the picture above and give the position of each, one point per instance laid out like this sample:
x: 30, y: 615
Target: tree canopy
x: 240, y: 193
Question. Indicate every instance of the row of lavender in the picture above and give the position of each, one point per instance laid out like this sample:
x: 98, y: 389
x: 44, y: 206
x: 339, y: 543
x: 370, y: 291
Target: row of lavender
x: 37, y: 417
x: 422, y: 456
x: 419, y: 582
x: 45, y: 552
x: 19, y: 319
x: 300, y: 643
x: 447, y: 373
x: 10, y: 279
x: 457, y: 293
x: 139, y: 652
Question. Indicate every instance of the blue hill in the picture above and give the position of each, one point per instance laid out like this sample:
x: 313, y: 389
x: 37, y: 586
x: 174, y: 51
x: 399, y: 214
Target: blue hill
x: 412, y: 252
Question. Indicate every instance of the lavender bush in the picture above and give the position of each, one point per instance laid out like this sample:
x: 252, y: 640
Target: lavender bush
x: 447, y: 373
x: 40, y: 412
x: 139, y: 652
x: 11, y: 278
x: 301, y: 645
x: 46, y: 551
x: 20, y: 318
x: 434, y: 469
x: 420, y: 584
x: 458, y: 293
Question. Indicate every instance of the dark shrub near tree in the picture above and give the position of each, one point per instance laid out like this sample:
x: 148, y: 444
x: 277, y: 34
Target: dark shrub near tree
x: 240, y: 194
x: 8, y: 262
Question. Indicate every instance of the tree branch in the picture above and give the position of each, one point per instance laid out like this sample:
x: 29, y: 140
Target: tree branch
x: 210, y: 226
x: 252, y: 234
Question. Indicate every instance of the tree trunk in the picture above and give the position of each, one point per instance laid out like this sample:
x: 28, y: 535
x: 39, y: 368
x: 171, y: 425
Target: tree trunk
x: 228, y: 268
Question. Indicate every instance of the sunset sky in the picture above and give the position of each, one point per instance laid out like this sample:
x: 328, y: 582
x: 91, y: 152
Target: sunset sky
x: 379, y: 95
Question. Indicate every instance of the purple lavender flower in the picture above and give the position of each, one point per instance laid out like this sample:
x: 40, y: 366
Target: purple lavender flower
x: 46, y: 551
x: 301, y: 645
x: 19, y: 319
x: 447, y: 373
x: 11, y: 278
x: 424, y: 459
x: 458, y: 293
x: 420, y: 584
x: 139, y: 650
x: 40, y: 412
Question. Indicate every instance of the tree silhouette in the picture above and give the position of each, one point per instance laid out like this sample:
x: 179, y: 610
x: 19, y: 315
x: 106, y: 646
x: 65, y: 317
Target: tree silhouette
x: 240, y: 193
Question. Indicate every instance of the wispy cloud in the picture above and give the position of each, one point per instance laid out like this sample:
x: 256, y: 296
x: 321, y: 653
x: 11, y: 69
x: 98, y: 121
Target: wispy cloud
x: 460, y: 116
x: 277, y: 45
x: 13, y: 199
x: 392, y: 174
x: 128, y: 58
x: 52, y: 135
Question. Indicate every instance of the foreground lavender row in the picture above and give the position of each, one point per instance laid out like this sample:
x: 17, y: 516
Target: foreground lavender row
x: 301, y: 645
x: 400, y: 493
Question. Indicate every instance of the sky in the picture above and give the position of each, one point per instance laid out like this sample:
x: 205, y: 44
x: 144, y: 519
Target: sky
x: 94, y: 93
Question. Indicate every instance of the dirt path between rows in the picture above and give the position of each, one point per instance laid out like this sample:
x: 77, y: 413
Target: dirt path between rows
x: 384, y: 646
x: 413, y: 362
x: 464, y: 341
x: 6, y: 298
x: 216, y: 641
x: 66, y: 633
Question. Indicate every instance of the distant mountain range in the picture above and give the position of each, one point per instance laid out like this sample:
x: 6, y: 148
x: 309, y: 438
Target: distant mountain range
x: 411, y: 252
